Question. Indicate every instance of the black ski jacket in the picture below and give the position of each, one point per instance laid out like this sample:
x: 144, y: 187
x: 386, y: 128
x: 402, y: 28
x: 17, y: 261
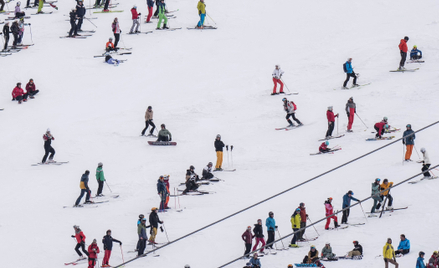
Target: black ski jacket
x: 108, y: 242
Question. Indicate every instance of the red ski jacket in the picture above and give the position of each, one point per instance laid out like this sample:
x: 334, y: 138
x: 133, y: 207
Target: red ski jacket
x: 30, y: 87
x: 134, y: 13
x: 323, y: 147
x: 380, y: 126
x: 18, y: 91
x: 330, y: 116
x: 93, y: 251
x: 403, y: 46
x: 80, y: 237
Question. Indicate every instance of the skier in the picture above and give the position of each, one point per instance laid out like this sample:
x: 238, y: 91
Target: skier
x: 403, y: 247
x: 386, y: 185
x: 433, y: 262
x: 425, y: 163
x: 420, y: 261
x: 154, y: 223
x: 324, y: 147
x: 162, y: 16
x: 248, y: 238
x: 331, y: 121
x: 20, y: 31
x: 148, y: 121
x: 100, y: 178
x: 116, y: 31
x: 162, y: 192
x: 31, y: 89
x: 80, y: 239
x: 356, y: 253
x: 351, y: 110
x: 108, y: 246
x: 150, y: 4
x: 381, y: 127
x: 277, y: 76
x: 18, y: 94
x: 135, y: 17
x: 80, y: 13
x: 18, y: 13
x: 408, y: 138
x: 389, y: 254
x: 2, y: 3
x: 73, y: 27
x: 166, y: 179
x: 219, y: 145
x: 15, y: 32
x: 47, y: 137
x: 207, y: 172
x: 107, y: 3
x: 403, y: 51
x: 164, y: 134
x: 93, y: 251
x: 202, y: 13
x: 313, y: 257
x: 347, y: 203
x: 256, y: 263
x: 110, y: 60
x: 109, y: 46
x: 290, y: 107
x: 329, y: 211
x: 259, y: 236
x: 377, y: 199
x: 415, y: 53
x: 141, y: 232
x: 6, y: 32
x: 139, y: 221
x: 40, y: 6
x: 191, y: 178
x: 327, y: 252
x: 347, y: 67
x: 295, y: 224
x: 303, y: 217
x: 84, y: 189
x: 271, y: 227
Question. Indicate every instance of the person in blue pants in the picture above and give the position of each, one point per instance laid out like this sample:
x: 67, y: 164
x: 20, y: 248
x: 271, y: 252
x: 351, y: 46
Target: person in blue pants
x: 202, y: 12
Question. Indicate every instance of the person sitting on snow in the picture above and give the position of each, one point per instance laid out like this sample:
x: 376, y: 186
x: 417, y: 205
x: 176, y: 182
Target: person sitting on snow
x: 110, y: 60
x: 324, y: 147
x: 415, y: 53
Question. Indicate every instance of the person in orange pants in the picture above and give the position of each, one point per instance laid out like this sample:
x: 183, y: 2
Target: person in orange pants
x: 351, y: 109
x: 330, y: 211
x: 409, y: 141
x: 219, y: 145
x: 277, y: 75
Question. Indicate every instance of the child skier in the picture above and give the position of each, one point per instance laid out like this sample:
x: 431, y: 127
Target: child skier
x: 425, y: 163
x: 93, y: 251
x: 324, y: 147
x: 295, y: 224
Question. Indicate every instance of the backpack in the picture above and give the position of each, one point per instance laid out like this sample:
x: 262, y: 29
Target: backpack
x: 294, y: 105
x: 344, y: 67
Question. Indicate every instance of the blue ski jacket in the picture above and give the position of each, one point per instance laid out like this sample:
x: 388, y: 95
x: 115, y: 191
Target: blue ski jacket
x: 347, y: 200
x: 404, y: 244
x: 409, y: 140
x: 271, y: 224
x: 349, y: 69
x: 420, y: 263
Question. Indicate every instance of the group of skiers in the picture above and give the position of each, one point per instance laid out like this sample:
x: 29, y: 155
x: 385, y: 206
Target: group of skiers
x: 17, y: 30
x: 85, y: 189
x: 76, y: 19
x: 20, y: 96
x: 154, y: 220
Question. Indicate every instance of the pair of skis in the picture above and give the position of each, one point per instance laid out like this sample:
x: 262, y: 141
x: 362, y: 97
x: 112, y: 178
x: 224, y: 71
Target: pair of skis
x: 403, y: 70
x: 332, y: 137
x: 424, y: 178
x: 329, y: 152
x: 379, y: 139
x: 54, y: 163
x: 290, y: 127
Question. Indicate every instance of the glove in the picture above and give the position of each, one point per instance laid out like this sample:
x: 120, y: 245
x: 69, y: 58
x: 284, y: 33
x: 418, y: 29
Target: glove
x: 347, y: 114
x: 170, y: 139
x: 140, y: 14
x: 73, y: 236
x: 120, y: 243
x: 275, y: 227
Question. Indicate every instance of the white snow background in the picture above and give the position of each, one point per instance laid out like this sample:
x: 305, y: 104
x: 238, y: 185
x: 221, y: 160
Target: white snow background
x: 201, y: 83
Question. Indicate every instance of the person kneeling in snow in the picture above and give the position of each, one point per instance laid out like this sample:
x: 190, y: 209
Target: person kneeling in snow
x: 381, y: 127
x: 207, y: 172
x: 110, y: 46
x: 191, y: 178
x: 324, y: 147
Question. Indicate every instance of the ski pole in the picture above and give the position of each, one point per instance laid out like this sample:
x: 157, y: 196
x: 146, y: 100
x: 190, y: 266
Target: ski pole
x: 363, y: 211
x: 417, y: 152
x: 384, y: 204
x: 403, y: 156
x: 91, y: 22
x: 285, y: 85
x: 108, y: 187
x: 30, y: 31
x: 283, y: 245
x: 231, y: 153
x: 166, y: 233
x: 211, y: 18
x: 313, y: 226
x: 121, y: 252
x: 227, y: 150
x: 175, y: 199
x: 361, y: 121
x: 337, y: 125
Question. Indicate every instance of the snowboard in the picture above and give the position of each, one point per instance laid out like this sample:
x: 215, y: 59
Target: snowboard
x: 162, y: 143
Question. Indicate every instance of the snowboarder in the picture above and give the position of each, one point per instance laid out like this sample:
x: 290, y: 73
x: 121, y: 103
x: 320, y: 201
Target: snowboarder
x: 347, y: 67
x: 31, y: 89
x: 433, y: 262
x: 386, y: 185
x: 116, y: 31
x: 108, y: 246
x: 162, y: 192
x: 403, y: 51
x: 100, y: 178
x: 202, y: 13
x: 313, y: 257
x: 403, y: 247
x: 295, y: 224
x: 18, y: 13
x: 259, y: 236
x: 389, y: 254
x: 347, y: 203
x: 110, y: 60
x: 409, y: 141
x: 135, y: 17
x: 303, y: 217
x: 415, y: 53
x: 84, y: 189
x: 162, y: 16
x: 150, y: 4
x: 381, y: 127
x: 80, y: 239
x: 329, y: 211
x: 219, y: 145
x: 271, y: 227
x: 327, y: 252
x: 148, y: 121
x: 154, y: 223
x: 377, y: 199
x: 357, y: 251
x: 47, y: 137
x: 324, y: 147
x: 191, y: 178
x: 247, y: 237
x: 80, y: 13
x: 420, y: 261
x: 164, y: 134
x: 73, y: 26
x: 207, y: 172
x: 93, y: 251
x: 141, y: 232
x: 6, y: 32
x: 277, y: 76
x: 256, y: 263
x: 331, y: 122
x: 109, y: 46
x: 351, y: 110
x: 290, y: 108
x: 425, y: 163
x: 18, y: 94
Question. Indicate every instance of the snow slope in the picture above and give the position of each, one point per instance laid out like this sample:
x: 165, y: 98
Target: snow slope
x: 201, y: 83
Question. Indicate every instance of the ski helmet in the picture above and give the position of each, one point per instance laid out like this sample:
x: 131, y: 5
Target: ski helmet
x: 277, y: 66
x: 290, y: 265
x: 312, y: 247
x: 210, y: 164
x: 330, y: 108
x: 330, y: 199
x: 135, y: 7
x: 111, y: 38
x: 108, y: 231
x: 385, y: 118
x: 435, y: 252
x: 153, y: 209
x: 76, y: 226
x: 408, y: 126
x: 141, y: 216
x: 385, y: 180
x: 94, y: 240
x: 149, y: 107
x: 144, y: 219
x: 18, y: 3
x: 161, y: 177
x: 326, y: 143
x: 406, y: 38
x: 415, y: 46
x: 422, y: 150
x: 218, y: 136
x: 166, y: 177
x: 350, y: 192
x: 302, y: 204
x: 377, y: 179
x: 48, y: 130
x: 255, y: 255
x: 249, y: 227
x: 100, y: 164
x: 191, y: 167
x: 284, y: 99
x: 355, y: 242
x: 423, y: 253
x: 327, y: 243
x: 259, y: 220
x: 297, y: 209
x: 351, y: 98
x: 187, y: 266
x: 270, y: 213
